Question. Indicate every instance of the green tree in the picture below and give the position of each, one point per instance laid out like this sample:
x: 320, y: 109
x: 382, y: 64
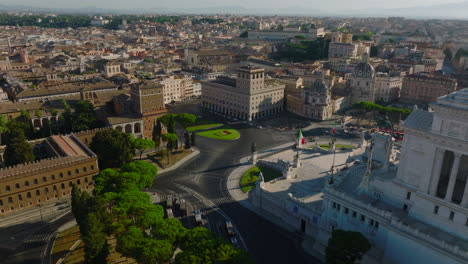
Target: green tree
x: 169, y: 229
x: 95, y: 239
x: 3, y: 127
x: 192, y: 139
x: 201, y: 246
x: 157, y: 134
x: 146, y: 170
x: 185, y: 119
x: 84, y: 117
x: 167, y: 119
x: 187, y: 139
x: 171, y: 139
x: 113, y: 148
x: 18, y: 150
x: 346, y: 247
x: 142, y: 144
x: 67, y: 117
x: 129, y: 242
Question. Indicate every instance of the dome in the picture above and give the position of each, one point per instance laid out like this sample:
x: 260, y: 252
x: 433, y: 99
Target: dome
x: 319, y: 86
x: 364, y: 70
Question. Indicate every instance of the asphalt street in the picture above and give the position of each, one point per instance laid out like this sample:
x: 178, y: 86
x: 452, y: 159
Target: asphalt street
x: 202, y: 182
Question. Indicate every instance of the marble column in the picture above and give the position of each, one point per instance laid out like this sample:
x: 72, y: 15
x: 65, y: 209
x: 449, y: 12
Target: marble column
x: 439, y: 158
x: 453, y: 177
x: 464, y: 201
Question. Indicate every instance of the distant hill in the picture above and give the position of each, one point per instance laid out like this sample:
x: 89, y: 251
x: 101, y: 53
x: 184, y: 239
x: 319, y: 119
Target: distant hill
x: 451, y: 10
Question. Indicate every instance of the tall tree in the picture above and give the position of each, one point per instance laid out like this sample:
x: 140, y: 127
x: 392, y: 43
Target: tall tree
x: 95, y: 239
x: 171, y: 139
x: 142, y: 144
x: 187, y: 139
x: 84, y: 117
x: 146, y: 170
x: 157, y: 134
x: 18, y: 150
x: 3, y: 126
x: 192, y: 139
x: 113, y: 148
x: 346, y: 247
x: 186, y: 120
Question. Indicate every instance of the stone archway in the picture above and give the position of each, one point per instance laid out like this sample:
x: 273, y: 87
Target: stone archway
x: 37, y: 123
x: 128, y: 128
x: 119, y: 128
x: 137, y: 128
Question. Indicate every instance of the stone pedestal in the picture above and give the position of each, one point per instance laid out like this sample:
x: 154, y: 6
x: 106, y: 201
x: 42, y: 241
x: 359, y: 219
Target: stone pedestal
x: 253, y: 158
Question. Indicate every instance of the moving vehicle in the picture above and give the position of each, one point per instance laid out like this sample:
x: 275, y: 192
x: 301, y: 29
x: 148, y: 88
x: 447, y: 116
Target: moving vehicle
x: 230, y: 229
x: 198, y: 217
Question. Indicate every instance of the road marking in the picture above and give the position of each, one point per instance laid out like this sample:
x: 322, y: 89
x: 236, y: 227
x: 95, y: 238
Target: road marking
x: 214, y: 207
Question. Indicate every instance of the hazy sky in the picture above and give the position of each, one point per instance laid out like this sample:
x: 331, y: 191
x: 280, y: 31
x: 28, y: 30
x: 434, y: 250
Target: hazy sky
x: 319, y: 4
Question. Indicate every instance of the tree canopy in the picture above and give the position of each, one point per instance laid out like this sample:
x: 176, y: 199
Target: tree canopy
x: 346, y: 247
x: 185, y: 119
x: 142, y: 144
x: 113, y: 148
x: 18, y: 150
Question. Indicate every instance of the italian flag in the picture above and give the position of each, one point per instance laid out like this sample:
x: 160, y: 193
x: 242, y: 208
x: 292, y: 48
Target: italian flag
x: 334, y: 128
x: 300, y: 138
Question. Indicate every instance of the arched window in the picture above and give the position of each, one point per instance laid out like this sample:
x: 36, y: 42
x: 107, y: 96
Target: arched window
x: 38, y: 192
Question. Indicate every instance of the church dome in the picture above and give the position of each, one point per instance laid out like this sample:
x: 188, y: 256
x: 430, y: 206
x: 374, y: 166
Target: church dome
x: 364, y: 70
x: 319, y: 86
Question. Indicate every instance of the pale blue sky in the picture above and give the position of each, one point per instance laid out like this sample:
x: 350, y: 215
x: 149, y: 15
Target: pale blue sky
x: 319, y: 4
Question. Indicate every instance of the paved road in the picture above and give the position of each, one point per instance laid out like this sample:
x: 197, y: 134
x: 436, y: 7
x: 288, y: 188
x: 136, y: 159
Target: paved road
x: 202, y: 181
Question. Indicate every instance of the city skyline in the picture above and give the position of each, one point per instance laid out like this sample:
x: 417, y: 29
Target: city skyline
x: 185, y: 4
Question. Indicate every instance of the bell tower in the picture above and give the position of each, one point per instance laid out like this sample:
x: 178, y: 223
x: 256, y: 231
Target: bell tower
x: 250, y: 79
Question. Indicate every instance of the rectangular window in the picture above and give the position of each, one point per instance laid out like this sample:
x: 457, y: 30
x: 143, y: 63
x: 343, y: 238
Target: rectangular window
x: 363, y: 218
x: 354, y: 214
x: 405, y: 207
x: 436, y: 209
x: 408, y: 195
x: 452, y: 214
x: 346, y: 210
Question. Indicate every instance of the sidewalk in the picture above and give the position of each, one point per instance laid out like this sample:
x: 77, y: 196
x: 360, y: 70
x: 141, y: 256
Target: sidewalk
x: 233, y: 180
x: 180, y: 162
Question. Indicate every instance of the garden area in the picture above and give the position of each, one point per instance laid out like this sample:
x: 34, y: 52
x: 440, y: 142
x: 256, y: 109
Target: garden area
x: 222, y: 133
x: 249, y: 177
x: 164, y: 160
x: 203, y: 127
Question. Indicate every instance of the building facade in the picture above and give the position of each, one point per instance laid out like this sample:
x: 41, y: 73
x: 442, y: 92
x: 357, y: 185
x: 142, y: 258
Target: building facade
x: 248, y: 97
x: 313, y: 102
x: 425, y: 89
x: 413, y: 209
x: 48, y: 180
x: 387, y: 87
x: 362, y: 83
x: 148, y: 101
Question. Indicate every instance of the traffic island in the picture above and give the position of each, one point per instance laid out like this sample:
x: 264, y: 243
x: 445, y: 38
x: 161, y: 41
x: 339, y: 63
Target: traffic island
x: 222, y: 134
x: 248, y: 179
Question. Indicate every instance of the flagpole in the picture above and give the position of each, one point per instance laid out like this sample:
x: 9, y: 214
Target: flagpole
x: 334, y: 151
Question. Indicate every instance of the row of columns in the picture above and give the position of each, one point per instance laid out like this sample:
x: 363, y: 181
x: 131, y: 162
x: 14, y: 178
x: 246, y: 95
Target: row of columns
x: 234, y: 113
x: 452, y: 178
